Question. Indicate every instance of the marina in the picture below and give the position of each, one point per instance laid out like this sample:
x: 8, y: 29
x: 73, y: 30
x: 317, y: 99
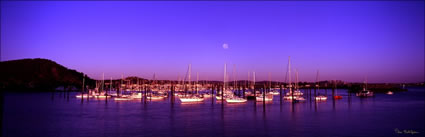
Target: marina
x: 61, y: 114
x: 229, y: 91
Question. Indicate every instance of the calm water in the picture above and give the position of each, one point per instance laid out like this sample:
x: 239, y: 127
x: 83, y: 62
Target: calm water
x: 48, y: 114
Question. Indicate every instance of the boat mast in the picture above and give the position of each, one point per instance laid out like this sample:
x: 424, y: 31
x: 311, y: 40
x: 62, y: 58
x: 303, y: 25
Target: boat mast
x: 178, y: 80
x: 289, y: 74
x: 296, y: 79
x: 153, y: 82
x: 290, y: 85
x: 317, y: 81
x: 197, y: 79
x: 248, y: 82
x: 234, y: 78
x: 184, y: 83
x: 190, y: 71
x: 270, y: 82
x: 253, y: 76
x: 122, y: 77
x: 103, y: 81
x: 224, y: 80
x: 366, y: 82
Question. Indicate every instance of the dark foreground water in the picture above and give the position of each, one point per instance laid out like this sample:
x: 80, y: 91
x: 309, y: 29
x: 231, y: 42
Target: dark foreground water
x: 48, y: 114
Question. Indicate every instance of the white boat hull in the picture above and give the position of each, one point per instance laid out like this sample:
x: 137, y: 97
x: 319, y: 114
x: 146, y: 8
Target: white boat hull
x: 155, y: 98
x: 274, y: 93
x: 83, y: 96
x: 369, y: 94
x: 122, y: 98
x: 191, y: 99
x: 321, y: 98
x: 102, y: 96
x: 137, y: 96
x: 295, y: 93
x: 240, y: 100
x: 261, y: 99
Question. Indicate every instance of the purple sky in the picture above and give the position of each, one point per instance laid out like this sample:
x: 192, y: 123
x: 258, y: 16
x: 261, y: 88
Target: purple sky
x: 343, y: 40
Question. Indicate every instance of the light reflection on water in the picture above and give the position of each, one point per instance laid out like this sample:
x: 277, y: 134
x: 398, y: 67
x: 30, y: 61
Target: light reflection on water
x: 47, y: 114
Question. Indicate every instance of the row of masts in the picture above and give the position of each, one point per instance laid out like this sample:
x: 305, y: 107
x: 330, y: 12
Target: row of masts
x: 186, y: 86
x: 127, y: 85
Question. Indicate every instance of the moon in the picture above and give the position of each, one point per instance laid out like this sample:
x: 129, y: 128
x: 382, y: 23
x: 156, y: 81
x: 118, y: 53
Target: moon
x: 225, y: 46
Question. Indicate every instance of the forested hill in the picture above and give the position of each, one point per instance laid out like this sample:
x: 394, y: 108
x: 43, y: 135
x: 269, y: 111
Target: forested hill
x: 39, y: 75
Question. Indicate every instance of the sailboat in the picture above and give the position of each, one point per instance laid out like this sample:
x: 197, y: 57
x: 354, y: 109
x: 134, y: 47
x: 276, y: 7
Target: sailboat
x: 250, y: 92
x: 191, y: 98
x: 274, y: 92
x: 155, y: 91
x: 297, y: 89
x: 102, y: 94
x: 263, y: 97
x: 137, y: 95
x: 230, y: 97
x: 220, y: 94
x: 365, y: 92
x: 319, y: 97
x: 296, y: 95
x: 122, y: 97
x: 83, y: 95
x: 111, y: 92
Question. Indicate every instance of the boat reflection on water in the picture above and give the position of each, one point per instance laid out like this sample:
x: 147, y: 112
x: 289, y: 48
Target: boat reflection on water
x: 337, y: 97
x: 261, y: 103
x: 191, y: 103
x: 235, y: 104
x: 122, y: 99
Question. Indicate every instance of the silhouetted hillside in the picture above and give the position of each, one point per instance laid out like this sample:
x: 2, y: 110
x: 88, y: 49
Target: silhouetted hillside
x: 38, y: 75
